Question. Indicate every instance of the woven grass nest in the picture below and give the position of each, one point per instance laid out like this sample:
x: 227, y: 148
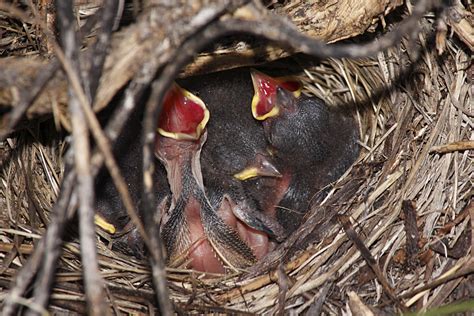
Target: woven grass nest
x: 398, y: 233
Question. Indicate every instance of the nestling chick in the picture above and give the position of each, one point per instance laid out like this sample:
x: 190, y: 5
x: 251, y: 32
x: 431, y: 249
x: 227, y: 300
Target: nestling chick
x: 208, y: 235
x: 312, y: 145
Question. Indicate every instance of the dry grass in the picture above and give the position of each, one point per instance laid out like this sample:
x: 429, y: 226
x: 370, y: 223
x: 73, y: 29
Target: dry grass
x: 411, y: 208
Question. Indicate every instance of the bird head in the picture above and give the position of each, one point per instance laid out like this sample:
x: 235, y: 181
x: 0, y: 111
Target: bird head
x: 272, y: 96
x: 181, y: 134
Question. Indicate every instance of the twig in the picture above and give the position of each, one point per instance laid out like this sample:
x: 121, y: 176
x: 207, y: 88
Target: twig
x: 463, y: 271
x: 158, y: 272
x: 452, y: 147
x: 102, y: 142
x: 277, y: 29
x: 96, y: 55
x: 42, y: 288
x: 370, y: 260
x: 105, y: 149
x: 471, y: 215
x: 104, y: 146
x: 283, y: 284
x: 93, y: 281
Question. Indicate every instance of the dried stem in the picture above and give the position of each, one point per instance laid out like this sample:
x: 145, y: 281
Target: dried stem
x: 85, y: 189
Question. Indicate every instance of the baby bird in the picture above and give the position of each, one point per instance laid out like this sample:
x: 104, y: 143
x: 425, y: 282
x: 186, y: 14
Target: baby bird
x: 312, y: 146
x: 208, y: 235
x: 235, y: 150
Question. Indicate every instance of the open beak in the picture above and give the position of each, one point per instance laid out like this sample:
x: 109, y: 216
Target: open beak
x: 192, y: 228
x: 264, y: 101
x: 184, y: 116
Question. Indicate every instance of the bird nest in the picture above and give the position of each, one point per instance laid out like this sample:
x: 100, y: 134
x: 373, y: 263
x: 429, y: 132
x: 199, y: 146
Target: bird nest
x: 397, y: 229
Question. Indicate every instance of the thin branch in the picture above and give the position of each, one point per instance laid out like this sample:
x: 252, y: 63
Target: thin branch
x: 103, y: 144
x: 452, y: 147
x: 98, y: 134
x: 102, y: 141
x: 97, y: 53
x: 370, y: 260
x: 468, y: 269
x: 85, y: 190
x: 55, y: 230
x: 274, y: 28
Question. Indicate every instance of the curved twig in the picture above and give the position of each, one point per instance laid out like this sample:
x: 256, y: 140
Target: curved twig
x: 272, y: 28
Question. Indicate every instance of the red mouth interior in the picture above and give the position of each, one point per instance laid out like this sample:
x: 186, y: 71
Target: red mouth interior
x: 267, y: 89
x: 180, y: 114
